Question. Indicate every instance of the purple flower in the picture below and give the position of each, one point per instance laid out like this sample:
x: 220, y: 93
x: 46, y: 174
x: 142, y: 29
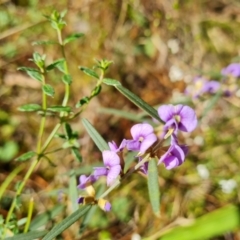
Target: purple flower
x: 175, y: 155
x: 86, y: 181
x: 114, y: 148
x: 232, y: 69
x: 104, y: 205
x: 178, y: 117
x: 211, y: 87
x: 195, y: 90
x: 112, y: 167
x: 143, y: 137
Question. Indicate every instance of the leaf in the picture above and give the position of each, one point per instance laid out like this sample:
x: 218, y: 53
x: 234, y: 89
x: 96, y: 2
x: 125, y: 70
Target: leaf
x: 68, y: 130
x: 32, y: 107
x: 73, y: 191
x: 43, y: 43
x: 96, y: 91
x: 72, y: 37
x: 82, y: 102
x: 43, y: 218
x: 66, y: 223
x: 153, y: 186
x: 49, y: 90
x: 96, y: 137
x: 89, y: 72
x: 210, y: 225
x: 76, y: 154
x: 121, y: 113
x: 59, y: 109
x: 33, y: 73
x: 111, y: 82
x: 61, y: 67
x: 26, y: 156
x: 55, y: 64
x: 10, y: 177
x: 28, y: 236
x: 138, y: 101
x: 67, y: 79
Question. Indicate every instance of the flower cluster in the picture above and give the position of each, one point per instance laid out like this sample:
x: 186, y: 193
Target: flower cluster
x: 147, y: 145
x: 228, y: 86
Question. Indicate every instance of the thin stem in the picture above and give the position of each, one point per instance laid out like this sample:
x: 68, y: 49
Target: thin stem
x: 29, y: 216
x: 19, y: 190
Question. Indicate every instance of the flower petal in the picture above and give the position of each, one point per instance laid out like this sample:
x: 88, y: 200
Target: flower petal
x: 166, y: 112
x: 100, y: 171
x: 171, y: 162
x: 188, y: 120
x: 133, y: 145
x: 141, y: 130
x: 113, y: 174
x: 148, y: 142
x: 110, y: 158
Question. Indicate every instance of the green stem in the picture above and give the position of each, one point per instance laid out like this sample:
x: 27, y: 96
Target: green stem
x: 29, y: 216
x: 43, y: 120
x: 19, y: 190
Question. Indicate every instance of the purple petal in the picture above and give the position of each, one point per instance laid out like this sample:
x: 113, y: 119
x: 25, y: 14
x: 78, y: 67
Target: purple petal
x: 171, y: 162
x: 211, y: 87
x: 110, y: 158
x: 80, y: 200
x: 166, y: 112
x: 113, y: 146
x: 85, y: 181
x: 123, y: 144
x: 148, y: 142
x: 188, y: 121
x: 107, y: 207
x: 100, y: 171
x: 133, y: 145
x: 141, y: 129
x: 113, y: 174
x: 232, y: 69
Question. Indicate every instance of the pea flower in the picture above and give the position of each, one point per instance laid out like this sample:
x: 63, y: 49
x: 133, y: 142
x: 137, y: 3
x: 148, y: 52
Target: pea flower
x: 112, y: 167
x: 143, y: 137
x: 178, y: 117
x: 211, y: 87
x: 86, y: 181
x: 232, y: 69
x: 113, y: 146
x: 174, y: 156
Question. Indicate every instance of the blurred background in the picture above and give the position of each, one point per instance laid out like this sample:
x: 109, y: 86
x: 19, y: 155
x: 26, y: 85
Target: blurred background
x: 157, y: 47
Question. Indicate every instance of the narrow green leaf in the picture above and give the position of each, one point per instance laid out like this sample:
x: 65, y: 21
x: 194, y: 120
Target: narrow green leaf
x: 28, y: 236
x: 73, y: 191
x: 89, y: 72
x: 121, y: 113
x: 82, y: 102
x: 61, y: 67
x: 153, y: 186
x: 49, y: 90
x: 59, y: 109
x: 66, y: 223
x: 67, y: 79
x: 96, y: 137
x: 33, y: 73
x: 43, y: 43
x: 138, y: 101
x: 72, y: 37
x: 111, y: 82
x: 129, y: 159
x: 43, y: 218
x: 213, y: 224
x: 76, y: 154
x: 68, y: 130
x: 26, y: 156
x: 9, y: 179
x: 32, y: 107
x: 55, y: 64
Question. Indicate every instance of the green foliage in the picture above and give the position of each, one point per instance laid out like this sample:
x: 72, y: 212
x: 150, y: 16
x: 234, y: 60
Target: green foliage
x: 32, y: 107
x: 26, y: 156
x: 89, y: 72
x: 96, y: 137
x: 153, y: 186
x: 33, y: 73
x: 8, y: 151
x: 72, y: 37
x: 48, y: 89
